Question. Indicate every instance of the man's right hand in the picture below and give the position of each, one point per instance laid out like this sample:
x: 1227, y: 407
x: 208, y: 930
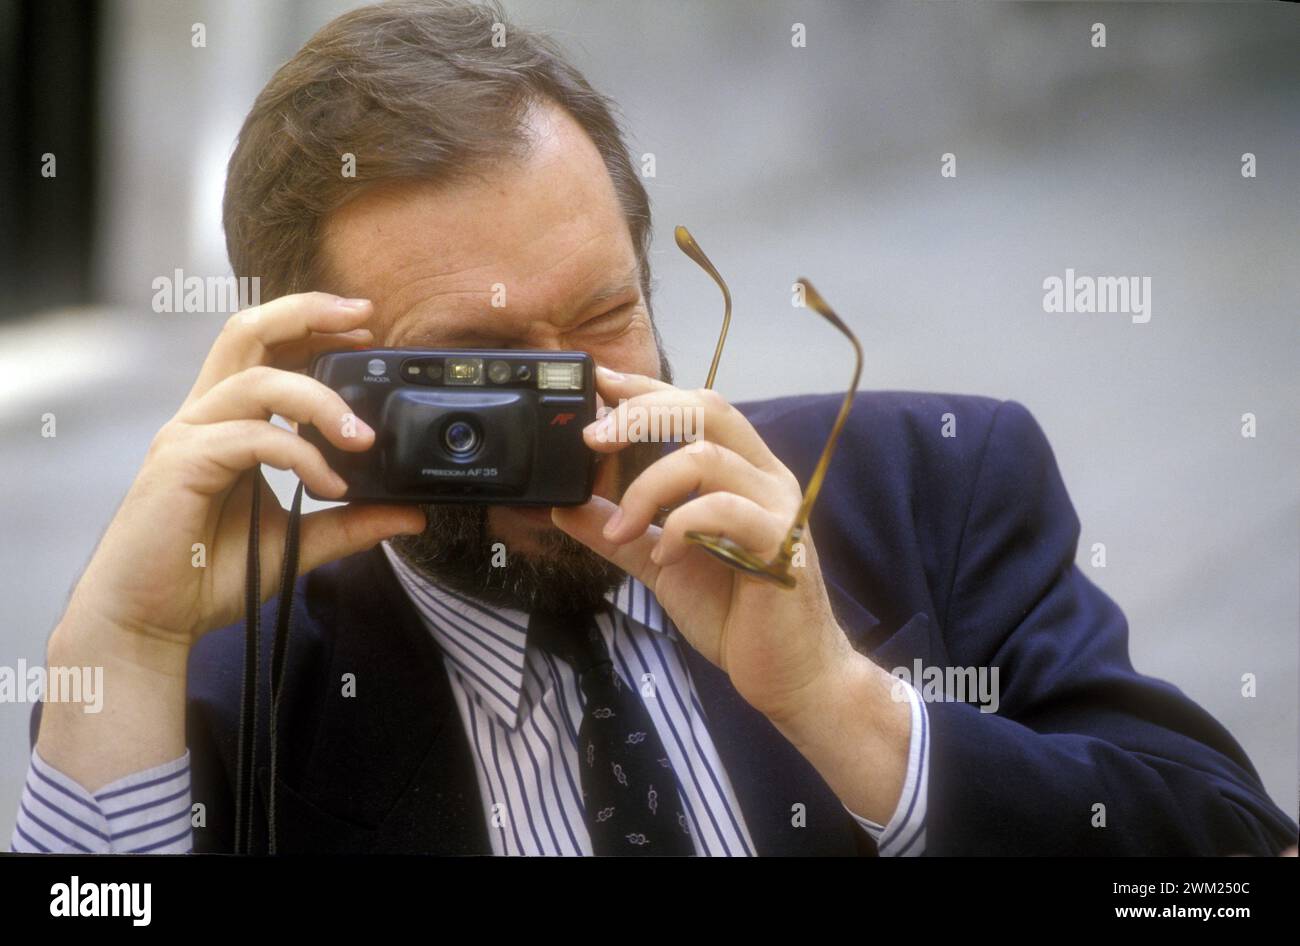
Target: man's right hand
x: 197, y: 479
x: 142, y: 600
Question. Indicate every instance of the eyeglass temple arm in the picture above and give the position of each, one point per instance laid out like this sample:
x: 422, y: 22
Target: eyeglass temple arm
x: 814, y: 300
x: 686, y: 243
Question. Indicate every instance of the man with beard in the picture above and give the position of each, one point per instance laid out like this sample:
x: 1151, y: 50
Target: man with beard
x: 433, y: 703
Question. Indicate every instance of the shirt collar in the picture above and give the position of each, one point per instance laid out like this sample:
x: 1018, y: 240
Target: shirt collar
x: 487, y: 645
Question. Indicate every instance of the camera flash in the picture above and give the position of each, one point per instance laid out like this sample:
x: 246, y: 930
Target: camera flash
x: 559, y: 375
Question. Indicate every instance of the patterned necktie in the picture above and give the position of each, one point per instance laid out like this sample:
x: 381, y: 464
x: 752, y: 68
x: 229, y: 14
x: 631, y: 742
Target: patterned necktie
x: 628, y: 787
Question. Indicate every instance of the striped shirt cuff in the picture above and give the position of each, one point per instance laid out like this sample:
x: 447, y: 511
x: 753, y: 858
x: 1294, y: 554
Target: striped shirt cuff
x: 904, y: 836
x: 143, y: 813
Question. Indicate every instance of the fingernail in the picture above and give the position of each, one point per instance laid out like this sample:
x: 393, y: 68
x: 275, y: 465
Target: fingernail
x: 351, y: 303
x: 602, y: 429
x: 654, y: 552
x: 353, y: 426
x: 612, y: 525
x: 609, y: 375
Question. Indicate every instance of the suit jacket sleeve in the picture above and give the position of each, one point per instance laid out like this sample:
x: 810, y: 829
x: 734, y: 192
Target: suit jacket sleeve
x: 1077, y: 727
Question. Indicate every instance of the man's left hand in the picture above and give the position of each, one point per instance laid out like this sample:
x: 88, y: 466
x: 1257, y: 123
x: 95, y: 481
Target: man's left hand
x: 782, y: 648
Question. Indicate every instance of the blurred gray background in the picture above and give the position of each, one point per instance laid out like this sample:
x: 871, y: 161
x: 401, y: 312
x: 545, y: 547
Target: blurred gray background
x: 822, y: 161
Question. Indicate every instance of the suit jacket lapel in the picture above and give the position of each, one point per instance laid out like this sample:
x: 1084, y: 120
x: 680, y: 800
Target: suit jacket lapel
x: 390, y: 768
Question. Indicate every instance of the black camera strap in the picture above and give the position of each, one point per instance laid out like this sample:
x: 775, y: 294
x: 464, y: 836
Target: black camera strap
x: 246, y: 783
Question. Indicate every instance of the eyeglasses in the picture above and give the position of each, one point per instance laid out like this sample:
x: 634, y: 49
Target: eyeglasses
x: 720, y: 547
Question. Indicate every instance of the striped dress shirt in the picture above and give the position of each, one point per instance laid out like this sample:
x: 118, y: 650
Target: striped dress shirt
x: 144, y: 813
x: 521, y: 710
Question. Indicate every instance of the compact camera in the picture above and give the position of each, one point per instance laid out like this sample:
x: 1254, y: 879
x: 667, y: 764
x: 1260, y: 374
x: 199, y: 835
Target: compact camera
x: 464, y: 425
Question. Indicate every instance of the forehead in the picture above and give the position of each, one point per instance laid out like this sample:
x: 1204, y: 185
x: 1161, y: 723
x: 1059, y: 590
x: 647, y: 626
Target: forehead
x: 545, y: 232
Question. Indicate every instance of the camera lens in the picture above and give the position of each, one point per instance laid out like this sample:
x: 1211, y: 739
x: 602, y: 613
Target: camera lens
x: 460, y: 438
x: 498, y: 372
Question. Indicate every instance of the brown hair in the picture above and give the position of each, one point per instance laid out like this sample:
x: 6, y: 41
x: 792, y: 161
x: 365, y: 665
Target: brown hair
x: 416, y: 90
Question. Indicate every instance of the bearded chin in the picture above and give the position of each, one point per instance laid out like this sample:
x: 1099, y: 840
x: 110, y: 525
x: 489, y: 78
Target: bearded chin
x: 456, y: 551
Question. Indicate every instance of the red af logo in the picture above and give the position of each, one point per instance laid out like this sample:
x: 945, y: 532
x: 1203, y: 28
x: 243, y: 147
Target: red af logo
x: 559, y: 420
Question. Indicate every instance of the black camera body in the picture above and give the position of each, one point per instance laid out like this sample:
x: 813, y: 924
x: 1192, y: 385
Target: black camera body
x: 464, y: 425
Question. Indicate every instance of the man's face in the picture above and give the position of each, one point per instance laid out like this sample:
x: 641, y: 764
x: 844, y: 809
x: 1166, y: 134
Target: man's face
x: 548, y: 232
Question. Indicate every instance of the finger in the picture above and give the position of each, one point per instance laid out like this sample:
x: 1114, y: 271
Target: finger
x: 212, y: 456
x: 608, y: 384
x: 586, y: 522
x: 249, y: 334
x: 261, y: 391
x: 607, y: 379
x: 333, y: 533
x: 701, y: 466
x: 620, y: 384
x: 742, y: 520
x: 296, y: 356
x: 673, y: 414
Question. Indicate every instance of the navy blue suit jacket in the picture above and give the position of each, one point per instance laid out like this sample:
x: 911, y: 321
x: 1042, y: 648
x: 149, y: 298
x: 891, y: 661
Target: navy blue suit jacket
x: 956, y: 551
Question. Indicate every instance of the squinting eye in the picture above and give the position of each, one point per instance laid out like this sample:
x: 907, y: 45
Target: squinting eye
x: 610, y: 321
